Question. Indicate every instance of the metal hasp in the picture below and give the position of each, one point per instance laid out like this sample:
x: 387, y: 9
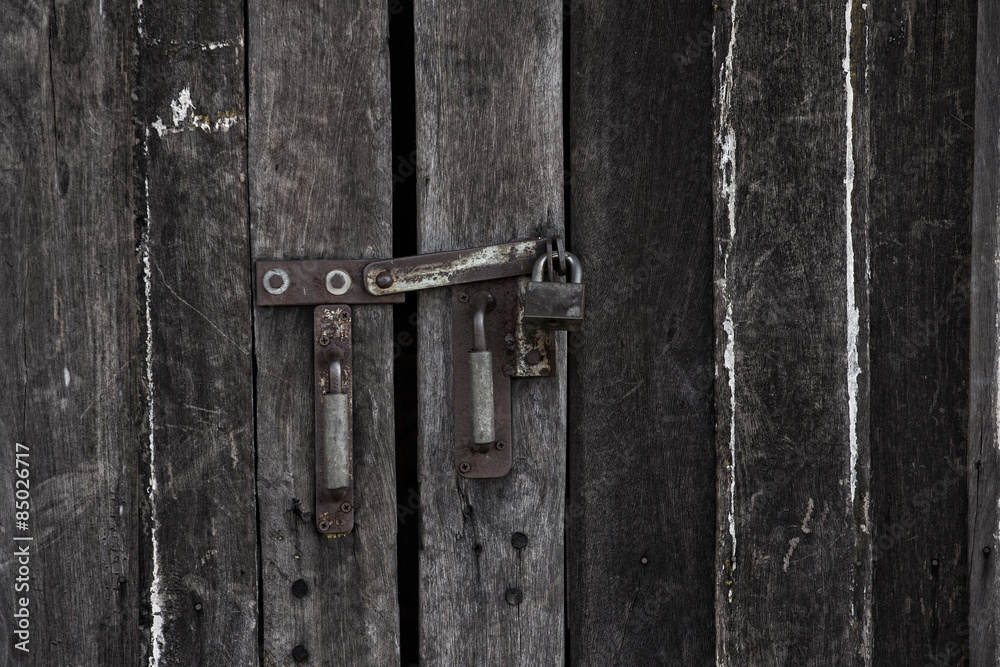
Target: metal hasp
x: 501, y: 329
x: 333, y: 393
x: 318, y: 282
x: 454, y: 267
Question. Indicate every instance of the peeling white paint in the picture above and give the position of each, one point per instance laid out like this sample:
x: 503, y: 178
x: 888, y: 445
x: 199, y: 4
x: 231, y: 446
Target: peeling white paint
x: 159, y: 126
x: 212, y: 46
x: 853, y: 327
x: 184, y: 118
x: 727, y: 173
x: 155, y: 587
x: 182, y: 106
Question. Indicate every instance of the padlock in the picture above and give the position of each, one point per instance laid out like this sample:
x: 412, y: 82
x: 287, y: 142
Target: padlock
x: 551, y: 305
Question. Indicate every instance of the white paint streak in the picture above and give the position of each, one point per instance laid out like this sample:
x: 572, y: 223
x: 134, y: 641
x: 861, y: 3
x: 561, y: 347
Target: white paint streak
x: 66, y: 375
x: 809, y: 512
x: 792, y: 543
x: 727, y: 174
x: 155, y: 588
x: 853, y: 367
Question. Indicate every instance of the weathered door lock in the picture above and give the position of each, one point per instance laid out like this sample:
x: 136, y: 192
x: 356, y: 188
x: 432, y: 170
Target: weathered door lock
x: 501, y: 328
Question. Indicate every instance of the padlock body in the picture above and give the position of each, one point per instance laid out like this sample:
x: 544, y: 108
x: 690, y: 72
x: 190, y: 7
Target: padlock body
x: 550, y: 305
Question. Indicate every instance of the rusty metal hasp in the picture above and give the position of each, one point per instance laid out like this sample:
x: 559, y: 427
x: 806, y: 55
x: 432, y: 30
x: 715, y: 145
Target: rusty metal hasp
x: 330, y: 285
x: 501, y: 328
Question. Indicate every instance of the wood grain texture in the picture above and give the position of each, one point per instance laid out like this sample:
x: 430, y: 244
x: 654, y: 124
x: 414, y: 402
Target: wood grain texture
x: 984, y: 389
x: 489, y: 141
x: 793, y: 563
x: 920, y: 67
x: 71, y: 354
x: 640, y: 535
x: 320, y: 187
x: 191, y: 110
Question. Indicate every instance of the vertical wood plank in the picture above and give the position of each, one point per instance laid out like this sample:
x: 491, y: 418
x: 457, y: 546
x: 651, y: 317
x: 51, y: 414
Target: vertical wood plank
x: 320, y: 186
x: 920, y: 67
x: 641, y: 403
x: 489, y: 142
x: 984, y: 390
x: 71, y: 354
x: 793, y: 563
x: 195, y: 251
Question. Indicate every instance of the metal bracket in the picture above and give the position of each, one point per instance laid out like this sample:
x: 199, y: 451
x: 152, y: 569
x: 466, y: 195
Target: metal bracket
x: 310, y: 282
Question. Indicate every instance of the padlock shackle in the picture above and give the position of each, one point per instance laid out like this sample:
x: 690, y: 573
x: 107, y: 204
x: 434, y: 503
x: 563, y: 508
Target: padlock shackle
x: 575, y: 268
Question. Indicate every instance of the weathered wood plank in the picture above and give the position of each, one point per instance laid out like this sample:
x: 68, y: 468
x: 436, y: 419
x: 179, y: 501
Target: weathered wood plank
x: 984, y: 389
x: 191, y: 110
x: 640, y: 533
x: 793, y: 563
x: 489, y: 141
x: 920, y: 67
x: 71, y: 349
x: 320, y: 186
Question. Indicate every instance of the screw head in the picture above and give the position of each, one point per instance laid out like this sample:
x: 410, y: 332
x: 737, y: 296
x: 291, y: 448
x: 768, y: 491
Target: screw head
x: 519, y: 540
x: 300, y: 654
x: 533, y: 357
x: 300, y: 588
x: 514, y: 596
x: 384, y: 280
x: 500, y: 444
x: 346, y: 507
x: 463, y: 297
x: 324, y: 340
x: 197, y: 606
x: 464, y: 467
x: 324, y: 526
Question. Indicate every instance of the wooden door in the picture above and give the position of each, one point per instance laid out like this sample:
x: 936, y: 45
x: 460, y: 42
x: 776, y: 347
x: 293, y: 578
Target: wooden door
x: 774, y: 443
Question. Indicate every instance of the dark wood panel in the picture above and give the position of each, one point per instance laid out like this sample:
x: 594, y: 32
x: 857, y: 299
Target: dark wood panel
x: 641, y: 404
x: 72, y: 354
x: 793, y: 561
x: 919, y: 74
x: 490, y: 146
x: 984, y: 436
x: 191, y: 111
x: 320, y: 187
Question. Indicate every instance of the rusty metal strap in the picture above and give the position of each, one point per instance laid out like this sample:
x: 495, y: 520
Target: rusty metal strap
x: 407, y: 274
